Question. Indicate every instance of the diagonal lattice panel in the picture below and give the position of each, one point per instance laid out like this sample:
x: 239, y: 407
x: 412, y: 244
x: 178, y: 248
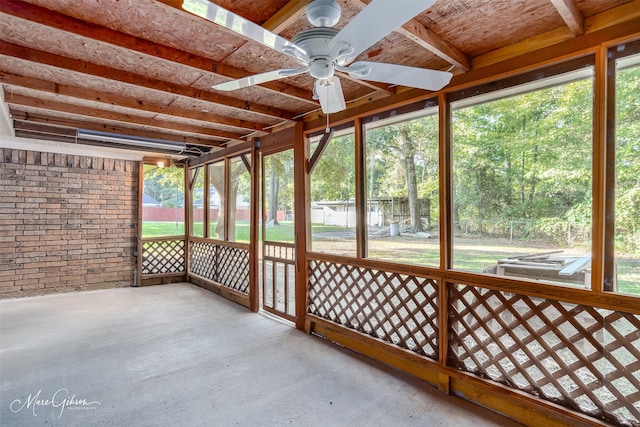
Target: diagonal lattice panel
x: 160, y: 257
x: 397, y: 308
x: 585, y: 358
x: 232, y: 268
x: 226, y: 265
x: 202, y: 259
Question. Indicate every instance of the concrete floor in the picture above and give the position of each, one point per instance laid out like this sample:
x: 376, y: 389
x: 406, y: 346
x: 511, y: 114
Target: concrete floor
x: 180, y: 355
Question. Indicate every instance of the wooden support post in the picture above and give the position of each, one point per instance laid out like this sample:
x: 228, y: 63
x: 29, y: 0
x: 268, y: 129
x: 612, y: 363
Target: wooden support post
x: 601, y: 116
x: 137, y: 280
x: 254, y: 264
x: 361, y: 176
x: 443, y: 334
x: 188, y: 206
x: 301, y: 191
x: 446, y: 189
x: 205, y: 204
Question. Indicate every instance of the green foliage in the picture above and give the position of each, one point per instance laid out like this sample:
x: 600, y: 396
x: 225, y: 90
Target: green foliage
x: 627, y: 197
x: 333, y: 178
x: 166, y: 185
x: 526, y: 156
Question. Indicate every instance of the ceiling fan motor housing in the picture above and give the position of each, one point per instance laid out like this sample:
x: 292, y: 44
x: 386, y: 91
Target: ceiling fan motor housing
x: 320, y: 54
x: 323, y: 13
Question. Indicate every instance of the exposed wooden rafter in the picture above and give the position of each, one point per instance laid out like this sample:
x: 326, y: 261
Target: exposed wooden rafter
x: 571, y: 15
x: 124, y: 101
x: 286, y: 15
x: 70, y: 64
x: 62, y: 22
x: 65, y: 107
x: 87, y: 123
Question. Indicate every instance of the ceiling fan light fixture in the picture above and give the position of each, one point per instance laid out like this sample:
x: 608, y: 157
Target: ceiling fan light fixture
x: 321, y: 68
x: 323, y: 13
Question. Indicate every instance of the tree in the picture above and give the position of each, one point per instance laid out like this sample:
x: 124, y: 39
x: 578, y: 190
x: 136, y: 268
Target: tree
x: 166, y: 185
x: 279, y: 169
x: 411, y: 148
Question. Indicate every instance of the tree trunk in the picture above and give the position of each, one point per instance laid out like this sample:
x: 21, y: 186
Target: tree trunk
x: 533, y: 173
x: 216, y: 178
x: 274, y: 187
x: 408, y: 154
x: 231, y: 209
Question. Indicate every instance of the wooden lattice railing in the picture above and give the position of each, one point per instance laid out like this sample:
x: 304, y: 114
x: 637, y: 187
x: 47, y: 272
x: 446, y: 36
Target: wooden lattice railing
x: 578, y: 356
x: 222, y: 262
x: 396, y: 308
x: 163, y: 255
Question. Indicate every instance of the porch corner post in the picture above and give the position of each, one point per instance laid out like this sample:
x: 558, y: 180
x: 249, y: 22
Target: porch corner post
x: 301, y: 190
x: 254, y: 265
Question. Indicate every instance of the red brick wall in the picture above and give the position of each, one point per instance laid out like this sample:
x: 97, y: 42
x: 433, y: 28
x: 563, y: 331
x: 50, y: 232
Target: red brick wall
x: 66, y: 222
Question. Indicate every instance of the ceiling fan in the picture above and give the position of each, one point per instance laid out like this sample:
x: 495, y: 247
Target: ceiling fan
x: 323, y: 50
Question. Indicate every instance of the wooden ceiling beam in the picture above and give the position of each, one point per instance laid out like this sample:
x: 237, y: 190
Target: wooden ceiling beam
x: 287, y: 15
x: 123, y: 101
x: 430, y: 41
x: 24, y: 116
x: 72, y: 25
x: 64, y: 107
x: 70, y: 64
x: 571, y: 15
x: 427, y: 39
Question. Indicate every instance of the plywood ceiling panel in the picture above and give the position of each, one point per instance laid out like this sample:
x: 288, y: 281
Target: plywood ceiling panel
x: 25, y: 33
x: 153, y: 21
x: 64, y: 77
x: 480, y: 26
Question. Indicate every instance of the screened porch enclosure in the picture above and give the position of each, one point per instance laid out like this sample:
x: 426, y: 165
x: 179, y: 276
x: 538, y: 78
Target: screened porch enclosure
x: 521, y: 289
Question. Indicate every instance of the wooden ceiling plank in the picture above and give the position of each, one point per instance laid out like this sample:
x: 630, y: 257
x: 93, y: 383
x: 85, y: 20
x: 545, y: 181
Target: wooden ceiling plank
x: 65, y: 107
x: 107, y: 127
x: 288, y: 14
x: 46, y: 58
x: 607, y: 19
x: 430, y: 41
x: 72, y: 25
x: 123, y: 101
x: 571, y: 15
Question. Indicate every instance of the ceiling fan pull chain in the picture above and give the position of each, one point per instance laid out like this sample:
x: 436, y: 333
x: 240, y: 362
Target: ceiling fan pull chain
x: 327, y: 129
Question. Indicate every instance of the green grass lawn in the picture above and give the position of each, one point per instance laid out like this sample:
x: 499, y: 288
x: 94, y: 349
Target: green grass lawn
x: 468, y: 257
x: 280, y: 233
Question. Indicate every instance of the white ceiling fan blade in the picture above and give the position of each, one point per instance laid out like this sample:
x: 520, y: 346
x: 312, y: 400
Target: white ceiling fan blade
x: 259, y: 78
x: 330, y: 95
x: 421, y: 78
x: 240, y: 25
x: 376, y: 21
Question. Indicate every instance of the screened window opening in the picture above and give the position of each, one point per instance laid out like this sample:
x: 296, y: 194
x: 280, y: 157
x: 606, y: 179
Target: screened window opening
x: 522, y: 179
x: 163, y: 201
x: 626, y: 167
x: 216, y: 200
x: 332, y: 180
x: 197, y: 202
x: 239, y: 204
x: 402, y: 188
x: 278, y: 197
